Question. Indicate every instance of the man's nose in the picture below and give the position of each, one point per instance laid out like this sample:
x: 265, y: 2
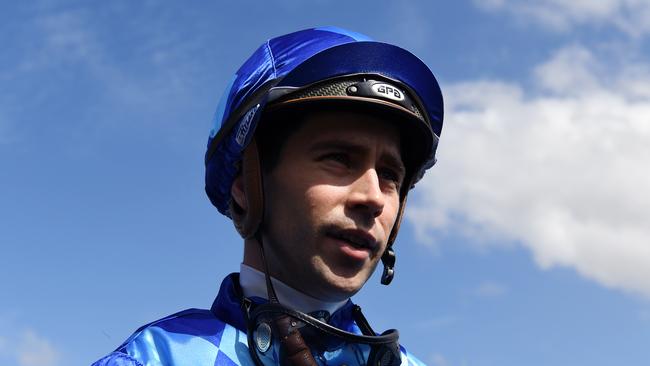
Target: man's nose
x: 366, y: 194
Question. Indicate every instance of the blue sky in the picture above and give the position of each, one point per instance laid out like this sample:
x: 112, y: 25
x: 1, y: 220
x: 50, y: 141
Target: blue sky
x: 526, y: 245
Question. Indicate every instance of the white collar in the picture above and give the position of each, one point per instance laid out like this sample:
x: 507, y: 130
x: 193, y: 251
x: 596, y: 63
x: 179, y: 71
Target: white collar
x: 253, y: 283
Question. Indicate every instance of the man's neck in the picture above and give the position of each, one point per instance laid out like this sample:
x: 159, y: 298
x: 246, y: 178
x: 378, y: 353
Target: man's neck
x: 253, y: 283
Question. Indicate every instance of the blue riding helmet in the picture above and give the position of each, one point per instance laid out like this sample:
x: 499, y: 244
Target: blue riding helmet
x: 282, y: 67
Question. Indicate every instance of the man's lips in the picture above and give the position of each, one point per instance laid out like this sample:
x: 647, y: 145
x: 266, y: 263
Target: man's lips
x: 356, y: 238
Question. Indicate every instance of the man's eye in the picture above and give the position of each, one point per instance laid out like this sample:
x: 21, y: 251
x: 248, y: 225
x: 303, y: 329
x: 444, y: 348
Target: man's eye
x: 391, y: 175
x: 337, y: 157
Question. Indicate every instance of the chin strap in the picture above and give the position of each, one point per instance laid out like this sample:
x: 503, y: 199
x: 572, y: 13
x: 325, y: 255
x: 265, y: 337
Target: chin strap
x: 270, y: 291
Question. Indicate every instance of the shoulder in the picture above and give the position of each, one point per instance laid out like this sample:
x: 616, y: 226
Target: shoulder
x: 117, y: 359
x: 408, y: 359
x: 189, y: 337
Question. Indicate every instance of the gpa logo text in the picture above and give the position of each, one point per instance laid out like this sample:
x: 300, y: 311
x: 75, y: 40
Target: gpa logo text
x: 388, y: 91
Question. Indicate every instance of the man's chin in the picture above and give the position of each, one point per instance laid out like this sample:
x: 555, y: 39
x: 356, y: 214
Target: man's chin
x: 335, y: 281
x: 338, y: 287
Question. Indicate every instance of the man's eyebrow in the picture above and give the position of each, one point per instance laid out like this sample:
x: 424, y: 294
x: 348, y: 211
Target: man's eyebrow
x: 338, y: 144
x: 389, y: 158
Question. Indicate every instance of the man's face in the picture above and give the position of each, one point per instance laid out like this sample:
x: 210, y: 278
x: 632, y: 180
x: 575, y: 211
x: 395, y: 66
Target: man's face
x: 331, y: 202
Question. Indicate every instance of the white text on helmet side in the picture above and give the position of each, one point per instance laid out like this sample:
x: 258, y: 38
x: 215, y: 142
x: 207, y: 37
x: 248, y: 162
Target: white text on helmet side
x: 388, y: 91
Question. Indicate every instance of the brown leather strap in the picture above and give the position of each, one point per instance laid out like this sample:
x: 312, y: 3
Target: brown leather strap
x: 298, y: 353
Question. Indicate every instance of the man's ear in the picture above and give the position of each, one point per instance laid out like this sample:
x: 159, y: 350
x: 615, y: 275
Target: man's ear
x: 238, y: 195
x: 246, y: 208
x: 238, y: 204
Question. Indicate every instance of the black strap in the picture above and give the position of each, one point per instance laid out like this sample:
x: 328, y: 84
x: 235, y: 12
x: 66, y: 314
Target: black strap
x: 362, y: 322
x: 245, y: 303
x: 273, y: 298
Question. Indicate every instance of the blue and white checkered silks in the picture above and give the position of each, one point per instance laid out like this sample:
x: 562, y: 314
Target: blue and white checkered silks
x: 297, y: 60
x: 214, y: 337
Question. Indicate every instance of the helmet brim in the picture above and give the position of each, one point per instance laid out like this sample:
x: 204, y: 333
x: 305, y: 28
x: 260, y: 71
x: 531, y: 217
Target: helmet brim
x: 378, y: 58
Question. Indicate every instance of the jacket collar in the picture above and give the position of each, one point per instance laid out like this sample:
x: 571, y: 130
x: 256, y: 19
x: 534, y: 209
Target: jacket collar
x: 228, y: 307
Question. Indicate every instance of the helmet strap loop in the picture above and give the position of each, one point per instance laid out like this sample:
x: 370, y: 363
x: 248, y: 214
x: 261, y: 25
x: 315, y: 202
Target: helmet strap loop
x: 388, y: 259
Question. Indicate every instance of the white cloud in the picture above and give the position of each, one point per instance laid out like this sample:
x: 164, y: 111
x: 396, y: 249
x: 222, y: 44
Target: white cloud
x: 630, y: 16
x: 64, y: 44
x: 436, y: 322
x: 561, y: 170
x: 69, y: 38
x: 490, y: 4
x: 490, y: 289
x: 571, y: 71
x: 644, y: 315
x: 35, y: 350
x: 439, y: 360
x: 27, y: 348
x: 410, y: 28
x: 3, y: 345
x: 5, y: 134
x: 66, y: 37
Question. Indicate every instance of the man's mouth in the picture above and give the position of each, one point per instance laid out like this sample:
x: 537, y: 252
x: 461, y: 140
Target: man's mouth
x: 356, y: 238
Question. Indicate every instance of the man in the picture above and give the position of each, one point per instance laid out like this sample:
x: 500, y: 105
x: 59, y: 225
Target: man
x: 317, y: 141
